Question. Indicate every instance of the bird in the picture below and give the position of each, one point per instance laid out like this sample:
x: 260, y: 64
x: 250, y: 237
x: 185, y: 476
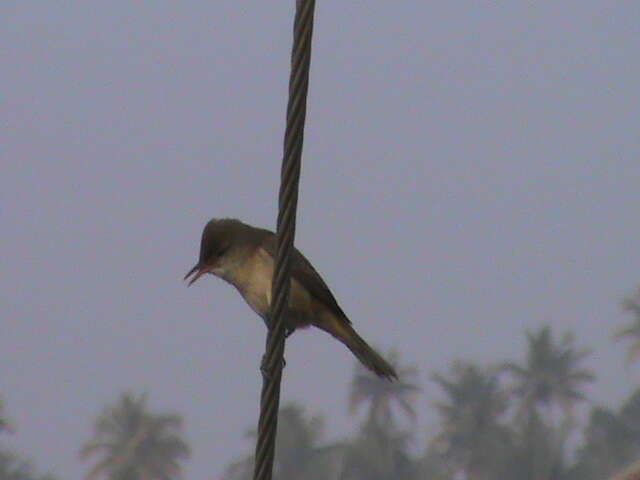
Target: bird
x: 244, y: 256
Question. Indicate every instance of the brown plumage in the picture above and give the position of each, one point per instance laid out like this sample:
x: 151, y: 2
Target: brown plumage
x: 243, y: 256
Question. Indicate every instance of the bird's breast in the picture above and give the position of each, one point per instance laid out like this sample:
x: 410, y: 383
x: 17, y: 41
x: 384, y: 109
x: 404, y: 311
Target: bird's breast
x: 253, y: 281
x: 252, y: 278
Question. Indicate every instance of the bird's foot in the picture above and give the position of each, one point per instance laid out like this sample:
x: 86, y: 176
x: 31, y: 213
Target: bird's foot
x: 264, y: 367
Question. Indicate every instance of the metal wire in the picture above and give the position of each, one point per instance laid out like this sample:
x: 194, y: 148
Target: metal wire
x: 287, y: 202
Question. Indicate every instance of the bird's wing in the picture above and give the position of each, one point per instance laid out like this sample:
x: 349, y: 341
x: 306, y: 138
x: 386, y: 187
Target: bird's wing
x: 308, y: 277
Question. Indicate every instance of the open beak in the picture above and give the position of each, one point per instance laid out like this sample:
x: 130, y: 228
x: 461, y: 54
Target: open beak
x: 198, y: 270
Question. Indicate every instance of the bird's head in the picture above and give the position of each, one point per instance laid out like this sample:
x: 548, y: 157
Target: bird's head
x: 223, y: 243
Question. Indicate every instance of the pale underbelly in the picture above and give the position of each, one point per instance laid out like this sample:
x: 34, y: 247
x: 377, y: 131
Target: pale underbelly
x: 253, y: 281
x: 298, y: 314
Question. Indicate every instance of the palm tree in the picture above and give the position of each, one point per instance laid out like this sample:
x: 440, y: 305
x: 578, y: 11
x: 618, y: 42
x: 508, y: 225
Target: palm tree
x: 552, y: 376
x: 623, y: 440
x: 12, y: 467
x: 631, y: 331
x: 381, y: 394
x: 378, y: 453
x: 609, y: 445
x: 380, y: 450
x: 630, y: 413
x: 4, y: 422
x: 135, y: 444
x: 611, y: 441
x: 298, y: 454
x: 432, y: 465
x: 472, y: 437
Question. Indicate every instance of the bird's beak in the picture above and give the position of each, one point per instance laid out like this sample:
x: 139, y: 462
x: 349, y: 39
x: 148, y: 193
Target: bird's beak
x: 199, y: 270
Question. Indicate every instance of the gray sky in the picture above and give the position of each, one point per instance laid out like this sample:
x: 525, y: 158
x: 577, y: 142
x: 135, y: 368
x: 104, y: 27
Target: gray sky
x: 470, y: 169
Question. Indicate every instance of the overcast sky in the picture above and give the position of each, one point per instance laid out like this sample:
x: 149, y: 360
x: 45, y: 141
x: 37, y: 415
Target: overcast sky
x: 470, y: 169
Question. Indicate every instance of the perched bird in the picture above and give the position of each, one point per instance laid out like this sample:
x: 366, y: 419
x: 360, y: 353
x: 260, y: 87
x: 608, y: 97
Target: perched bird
x: 243, y: 256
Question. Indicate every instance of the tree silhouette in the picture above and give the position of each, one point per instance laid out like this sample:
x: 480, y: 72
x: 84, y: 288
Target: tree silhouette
x: 552, y: 373
x: 135, y: 444
x: 5, y: 425
x: 298, y: 453
x: 378, y: 452
x: 12, y: 467
x: 472, y: 436
x: 631, y: 331
x: 381, y: 395
x: 609, y: 444
x: 552, y: 376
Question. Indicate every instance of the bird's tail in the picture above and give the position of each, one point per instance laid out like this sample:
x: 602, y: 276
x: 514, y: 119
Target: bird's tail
x: 371, y: 359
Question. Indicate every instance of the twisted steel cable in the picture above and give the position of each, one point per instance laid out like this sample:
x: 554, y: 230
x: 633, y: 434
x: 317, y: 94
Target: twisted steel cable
x: 273, y: 359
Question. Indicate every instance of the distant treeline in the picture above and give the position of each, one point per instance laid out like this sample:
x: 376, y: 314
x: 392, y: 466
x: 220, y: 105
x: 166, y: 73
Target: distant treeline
x: 511, y: 420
